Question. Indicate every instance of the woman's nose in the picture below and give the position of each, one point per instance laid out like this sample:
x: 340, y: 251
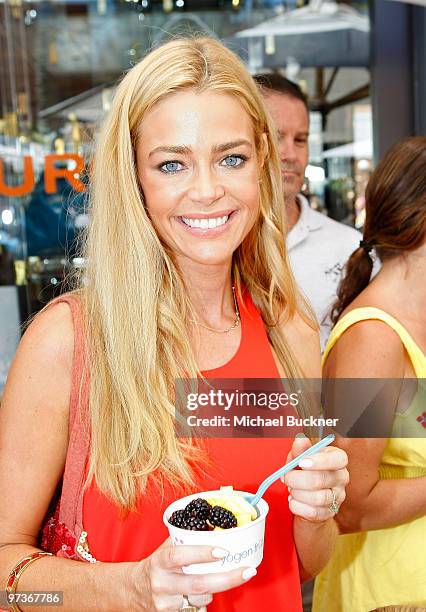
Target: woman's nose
x: 205, y: 188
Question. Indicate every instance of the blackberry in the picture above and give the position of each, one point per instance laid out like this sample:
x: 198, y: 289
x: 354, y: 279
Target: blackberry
x: 178, y: 519
x: 198, y: 508
x: 196, y: 524
x: 223, y: 518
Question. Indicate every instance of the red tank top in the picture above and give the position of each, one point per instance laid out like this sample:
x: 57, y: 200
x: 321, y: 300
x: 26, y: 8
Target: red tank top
x: 242, y: 462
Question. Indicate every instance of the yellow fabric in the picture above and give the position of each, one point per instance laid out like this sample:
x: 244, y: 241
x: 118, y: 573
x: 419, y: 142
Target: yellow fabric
x: 418, y: 358
x: 387, y: 566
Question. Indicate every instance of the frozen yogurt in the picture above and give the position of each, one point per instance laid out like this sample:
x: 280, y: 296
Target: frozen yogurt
x: 225, y: 510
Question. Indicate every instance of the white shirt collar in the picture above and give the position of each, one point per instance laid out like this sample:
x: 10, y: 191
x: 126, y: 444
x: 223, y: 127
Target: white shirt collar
x: 308, y: 221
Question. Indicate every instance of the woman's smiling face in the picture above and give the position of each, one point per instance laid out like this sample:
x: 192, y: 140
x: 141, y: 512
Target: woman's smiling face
x: 199, y: 171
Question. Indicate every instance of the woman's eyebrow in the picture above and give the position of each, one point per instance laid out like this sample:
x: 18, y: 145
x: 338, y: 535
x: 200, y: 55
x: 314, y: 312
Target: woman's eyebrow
x: 184, y: 149
x: 230, y: 145
x: 180, y: 149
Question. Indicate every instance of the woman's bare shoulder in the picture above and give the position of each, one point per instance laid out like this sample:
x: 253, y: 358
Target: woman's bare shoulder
x: 51, y: 335
x: 43, y: 362
x: 370, y: 349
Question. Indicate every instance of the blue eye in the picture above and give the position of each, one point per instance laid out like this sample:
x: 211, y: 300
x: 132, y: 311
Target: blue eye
x: 232, y: 161
x: 171, y: 167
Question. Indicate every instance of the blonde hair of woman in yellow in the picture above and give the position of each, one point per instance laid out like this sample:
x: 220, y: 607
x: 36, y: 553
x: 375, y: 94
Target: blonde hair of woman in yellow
x: 150, y: 282
x: 381, y: 334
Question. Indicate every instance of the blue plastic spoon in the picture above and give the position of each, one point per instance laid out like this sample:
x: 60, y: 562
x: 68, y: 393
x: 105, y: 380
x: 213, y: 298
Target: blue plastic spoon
x: 254, y: 499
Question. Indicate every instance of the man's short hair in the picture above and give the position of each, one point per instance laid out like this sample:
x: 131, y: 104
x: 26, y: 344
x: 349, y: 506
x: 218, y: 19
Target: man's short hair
x: 278, y: 83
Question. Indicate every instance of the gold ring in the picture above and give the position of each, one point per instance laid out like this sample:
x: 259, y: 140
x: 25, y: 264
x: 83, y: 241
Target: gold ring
x: 186, y: 606
x: 334, y: 506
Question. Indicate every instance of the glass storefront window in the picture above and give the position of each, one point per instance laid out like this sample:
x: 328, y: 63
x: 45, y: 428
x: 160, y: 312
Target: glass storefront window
x: 61, y: 60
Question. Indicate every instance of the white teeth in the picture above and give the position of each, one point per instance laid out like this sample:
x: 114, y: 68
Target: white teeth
x: 205, y: 223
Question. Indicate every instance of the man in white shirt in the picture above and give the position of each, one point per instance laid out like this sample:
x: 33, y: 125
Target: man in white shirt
x: 318, y: 246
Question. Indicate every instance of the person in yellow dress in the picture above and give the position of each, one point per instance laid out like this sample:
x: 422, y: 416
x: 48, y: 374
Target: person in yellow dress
x: 380, y: 560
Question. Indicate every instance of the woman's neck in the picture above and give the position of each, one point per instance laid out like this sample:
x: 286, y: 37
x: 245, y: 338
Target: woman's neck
x: 210, y: 291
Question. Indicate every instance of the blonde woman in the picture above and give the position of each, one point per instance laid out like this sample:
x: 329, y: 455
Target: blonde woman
x: 187, y: 273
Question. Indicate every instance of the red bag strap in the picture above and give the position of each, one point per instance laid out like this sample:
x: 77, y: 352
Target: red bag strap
x: 71, y: 503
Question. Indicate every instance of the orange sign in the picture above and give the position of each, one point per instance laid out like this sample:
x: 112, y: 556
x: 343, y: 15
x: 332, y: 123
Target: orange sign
x: 51, y: 174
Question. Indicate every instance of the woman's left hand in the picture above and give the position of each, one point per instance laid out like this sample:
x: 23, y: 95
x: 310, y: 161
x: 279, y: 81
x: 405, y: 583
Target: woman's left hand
x: 319, y: 484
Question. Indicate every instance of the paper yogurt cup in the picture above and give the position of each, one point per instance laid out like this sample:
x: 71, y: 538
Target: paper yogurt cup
x: 244, y: 544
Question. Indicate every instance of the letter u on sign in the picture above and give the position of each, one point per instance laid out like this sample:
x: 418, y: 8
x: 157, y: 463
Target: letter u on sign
x: 25, y: 187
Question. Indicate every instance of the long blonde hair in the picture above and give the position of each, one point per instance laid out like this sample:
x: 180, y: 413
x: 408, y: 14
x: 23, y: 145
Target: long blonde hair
x: 135, y: 303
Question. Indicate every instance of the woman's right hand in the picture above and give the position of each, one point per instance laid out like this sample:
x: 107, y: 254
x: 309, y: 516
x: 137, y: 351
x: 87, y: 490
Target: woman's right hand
x: 158, y: 582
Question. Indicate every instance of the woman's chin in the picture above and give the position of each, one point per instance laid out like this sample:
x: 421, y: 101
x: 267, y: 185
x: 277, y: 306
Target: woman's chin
x: 207, y: 259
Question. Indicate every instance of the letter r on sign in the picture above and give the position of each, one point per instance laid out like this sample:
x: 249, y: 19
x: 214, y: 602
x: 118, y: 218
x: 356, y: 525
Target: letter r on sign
x: 52, y: 173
